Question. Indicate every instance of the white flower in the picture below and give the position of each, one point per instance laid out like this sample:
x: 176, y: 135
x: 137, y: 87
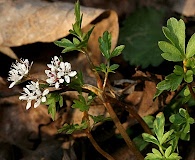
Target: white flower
x: 18, y: 70
x: 32, y: 92
x: 59, y: 72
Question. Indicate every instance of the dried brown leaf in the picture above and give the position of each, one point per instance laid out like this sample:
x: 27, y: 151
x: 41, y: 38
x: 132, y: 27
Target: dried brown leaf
x: 29, y: 21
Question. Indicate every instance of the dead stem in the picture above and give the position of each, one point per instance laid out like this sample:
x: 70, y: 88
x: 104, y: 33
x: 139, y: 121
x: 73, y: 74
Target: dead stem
x: 115, y: 119
x: 122, y: 131
x: 191, y: 90
x: 133, y: 113
x: 92, y: 140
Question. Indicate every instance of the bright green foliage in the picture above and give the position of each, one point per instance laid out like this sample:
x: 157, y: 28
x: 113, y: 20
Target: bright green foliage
x: 53, y: 99
x: 190, y: 50
x: 105, y: 69
x: 70, y: 128
x: 156, y: 155
x: 171, y: 82
x: 80, y: 40
x: 162, y: 140
x: 140, y: 33
x: 171, y: 53
x: 175, y: 51
x: 83, y: 104
x: 77, y: 82
x: 100, y: 118
x: 181, y: 124
x: 105, y: 46
x: 175, y: 33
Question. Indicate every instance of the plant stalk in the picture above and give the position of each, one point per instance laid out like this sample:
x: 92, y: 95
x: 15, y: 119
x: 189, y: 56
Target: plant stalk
x: 133, y: 113
x: 115, y: 119
x: 92, y: 140
x: 99, y: 81
x: 122, y: 131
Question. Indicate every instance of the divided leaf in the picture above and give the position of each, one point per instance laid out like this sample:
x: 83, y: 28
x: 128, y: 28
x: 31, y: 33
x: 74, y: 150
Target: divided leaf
x: 105, y: 44
x: 171, y: 53
x: 177, y: 33
x: 190, y: 50
x: 70, y: 128
x: 150, y: 138
x: 158, y: 126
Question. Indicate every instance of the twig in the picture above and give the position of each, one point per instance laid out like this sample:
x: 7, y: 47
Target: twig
x: 115, y: 119
x: 191, y: 90
x: 133, y: 113
x: 92, y: 140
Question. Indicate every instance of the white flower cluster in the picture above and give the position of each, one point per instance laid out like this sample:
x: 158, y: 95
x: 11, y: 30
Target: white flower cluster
x: 19, y: 69
x: 33, y: 92
x: 59, y: 72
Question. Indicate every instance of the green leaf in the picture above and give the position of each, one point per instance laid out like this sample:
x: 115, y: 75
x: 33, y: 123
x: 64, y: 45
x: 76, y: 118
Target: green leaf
x: 166, y: 137
x: 174, y: 156
x: 190, y: 50
x: 149, y: 120
x: 140, y: 33
x: 152, y: 156
x: 156, y: 152
x: 176, y: 119
x: 164, y: 85
x: 168, y: 151
x: 100, y: 118
x: 77, y: 82
x: 178, y: 70
x: 171, y: 82
x: 171, y: 53
x: 177, y: 30
x: 185, y: 136
x: 105, y: 44
x: 186, y: 92
x: 150, y: 138
x: 158, y: 92
x: 78, y: 20
x: 191, y: 120
x: 174, y: 80
x: 81, y: 104
x: 188, y: 77
x: 53, y: 99
x: 61, y: 101
x: 75, y: 41
x: 101, y: 68
x: 85, y: 40
x: 158, y: 126
x: 170, y: 36
x: 113, y: 67
x: 67, y: 44
x: 140, y: 143
x: 117, y: 51
x: 69, y: 129
x: 52, y: 110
